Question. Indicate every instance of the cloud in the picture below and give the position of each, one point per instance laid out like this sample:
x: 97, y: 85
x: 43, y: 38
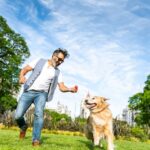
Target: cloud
x: 97, y: 3
x: 110, y: 65
x: 107, y: 55
x: 47, y: 3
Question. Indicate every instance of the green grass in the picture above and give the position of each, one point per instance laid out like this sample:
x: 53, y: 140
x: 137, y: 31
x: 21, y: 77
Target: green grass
x: 9, y: 141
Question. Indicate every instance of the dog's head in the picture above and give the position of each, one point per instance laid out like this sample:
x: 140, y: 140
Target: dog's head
x: 96, y: 103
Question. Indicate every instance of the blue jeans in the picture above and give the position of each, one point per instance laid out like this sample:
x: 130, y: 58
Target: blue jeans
x: 26, y: 99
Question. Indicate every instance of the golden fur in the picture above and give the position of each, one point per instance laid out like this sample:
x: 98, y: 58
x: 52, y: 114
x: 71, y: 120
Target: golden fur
x: 99, y: 122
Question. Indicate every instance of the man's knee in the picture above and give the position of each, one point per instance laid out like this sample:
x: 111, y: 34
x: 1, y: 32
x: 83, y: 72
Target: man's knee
x: 38, y: 115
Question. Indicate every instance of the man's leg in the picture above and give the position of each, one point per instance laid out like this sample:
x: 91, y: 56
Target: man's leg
x: 39, y: 103
x: 24, y: 103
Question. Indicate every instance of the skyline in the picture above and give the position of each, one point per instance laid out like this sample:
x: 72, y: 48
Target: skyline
x: 108, y: 44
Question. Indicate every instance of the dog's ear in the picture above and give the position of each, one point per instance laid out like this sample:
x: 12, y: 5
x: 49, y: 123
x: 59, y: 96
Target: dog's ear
x: 105, y: 99
x: 88, y: 95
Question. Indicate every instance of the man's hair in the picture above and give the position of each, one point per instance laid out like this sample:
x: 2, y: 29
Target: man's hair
x: 63, y: 51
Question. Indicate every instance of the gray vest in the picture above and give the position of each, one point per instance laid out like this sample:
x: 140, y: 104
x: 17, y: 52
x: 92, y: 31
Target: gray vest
x: 36, y: 72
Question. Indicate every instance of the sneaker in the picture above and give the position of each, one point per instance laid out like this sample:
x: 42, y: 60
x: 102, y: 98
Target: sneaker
x: 22, y: 134
x: 36, y: 143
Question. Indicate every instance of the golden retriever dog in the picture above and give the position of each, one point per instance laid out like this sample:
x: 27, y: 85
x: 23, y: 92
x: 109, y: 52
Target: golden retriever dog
x: 99, y: 122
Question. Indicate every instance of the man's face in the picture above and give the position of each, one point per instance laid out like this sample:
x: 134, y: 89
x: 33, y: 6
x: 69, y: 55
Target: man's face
x: 57, y: 59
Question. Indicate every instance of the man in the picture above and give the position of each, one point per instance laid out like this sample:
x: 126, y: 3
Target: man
x: 38, y: 89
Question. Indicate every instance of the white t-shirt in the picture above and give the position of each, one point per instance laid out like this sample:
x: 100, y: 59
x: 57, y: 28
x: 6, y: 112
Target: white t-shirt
x: 43, y: 81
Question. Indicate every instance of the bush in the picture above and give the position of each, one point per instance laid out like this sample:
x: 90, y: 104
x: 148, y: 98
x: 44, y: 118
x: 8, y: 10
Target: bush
x: 139, y: 133
x: 121, y: 128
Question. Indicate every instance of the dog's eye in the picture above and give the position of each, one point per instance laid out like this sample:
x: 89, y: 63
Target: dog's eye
x: 93, y: 98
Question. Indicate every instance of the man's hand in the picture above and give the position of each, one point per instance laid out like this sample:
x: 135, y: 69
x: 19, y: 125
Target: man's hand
x: 23, y: 72
x: 64, y: 88
x: 74, y: 89
x: 22, y: 80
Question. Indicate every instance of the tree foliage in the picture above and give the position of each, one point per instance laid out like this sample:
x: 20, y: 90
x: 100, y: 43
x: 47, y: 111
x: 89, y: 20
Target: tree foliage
x: 140, y: 102
x: 13, y: 52
x: 54, y: 119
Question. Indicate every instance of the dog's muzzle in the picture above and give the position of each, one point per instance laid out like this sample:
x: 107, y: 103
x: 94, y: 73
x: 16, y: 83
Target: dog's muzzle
x: 90, y: 105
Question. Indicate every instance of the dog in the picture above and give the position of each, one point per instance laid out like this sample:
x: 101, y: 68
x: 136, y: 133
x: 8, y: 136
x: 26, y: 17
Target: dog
x: 99, y: 122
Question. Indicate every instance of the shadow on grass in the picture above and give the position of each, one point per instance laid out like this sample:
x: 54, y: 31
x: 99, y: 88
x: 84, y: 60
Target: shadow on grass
x: 90, y: 145
x: 44, y: 138
x: 54, y: 142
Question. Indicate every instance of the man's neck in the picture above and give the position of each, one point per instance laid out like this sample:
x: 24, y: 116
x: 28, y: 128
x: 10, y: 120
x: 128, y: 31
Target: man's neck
x: 50, y: 64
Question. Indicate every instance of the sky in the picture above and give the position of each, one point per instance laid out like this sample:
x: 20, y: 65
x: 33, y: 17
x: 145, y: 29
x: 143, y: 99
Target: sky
x: 108, y: 42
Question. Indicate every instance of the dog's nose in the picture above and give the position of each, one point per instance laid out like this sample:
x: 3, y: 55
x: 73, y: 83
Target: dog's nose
x: 86, y: 101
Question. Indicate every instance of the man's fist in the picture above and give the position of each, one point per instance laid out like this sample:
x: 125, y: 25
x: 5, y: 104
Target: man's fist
x: 76, y: 88
x: 73, y: 89
x: 22, y: 80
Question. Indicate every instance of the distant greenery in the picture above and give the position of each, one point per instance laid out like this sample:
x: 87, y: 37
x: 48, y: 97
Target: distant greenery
x: 13, y: 52
x: 140, y: 102
x: 56, y: 121
x: 139, y: 133
x: 121, y: 128
x: 125, y: 131
x: 9, y: 141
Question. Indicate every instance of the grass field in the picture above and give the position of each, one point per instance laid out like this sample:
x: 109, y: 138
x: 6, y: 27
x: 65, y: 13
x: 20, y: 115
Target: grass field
x: 9, y: 141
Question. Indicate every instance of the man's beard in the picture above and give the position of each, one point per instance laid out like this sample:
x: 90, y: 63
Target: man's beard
x: 54, y: 63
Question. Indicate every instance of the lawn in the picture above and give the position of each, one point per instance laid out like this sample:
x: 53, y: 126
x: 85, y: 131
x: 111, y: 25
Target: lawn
x: 9, y: 141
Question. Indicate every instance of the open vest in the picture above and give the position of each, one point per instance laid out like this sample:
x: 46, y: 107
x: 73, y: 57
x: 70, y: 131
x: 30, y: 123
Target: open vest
x: 36, y: 72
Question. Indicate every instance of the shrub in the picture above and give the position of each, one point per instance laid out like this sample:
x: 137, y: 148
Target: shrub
x: 139, y: 133
x: 121, y: 128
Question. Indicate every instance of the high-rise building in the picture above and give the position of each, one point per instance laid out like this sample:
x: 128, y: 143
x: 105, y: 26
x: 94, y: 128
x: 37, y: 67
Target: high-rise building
x: 62, y: 109
x: 128, y: 116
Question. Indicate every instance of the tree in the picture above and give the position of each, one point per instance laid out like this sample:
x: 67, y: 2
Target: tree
x: 140, y: 102
x: 55, y: 120
x: 13, y: 52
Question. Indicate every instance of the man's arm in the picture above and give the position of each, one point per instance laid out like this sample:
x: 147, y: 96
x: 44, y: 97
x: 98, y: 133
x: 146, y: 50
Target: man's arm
x: 64, y: 88
x: 23, y: 72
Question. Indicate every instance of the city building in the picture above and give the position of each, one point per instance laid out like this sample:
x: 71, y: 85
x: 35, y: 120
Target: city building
x: 62, y: 109
x: 128, y: 116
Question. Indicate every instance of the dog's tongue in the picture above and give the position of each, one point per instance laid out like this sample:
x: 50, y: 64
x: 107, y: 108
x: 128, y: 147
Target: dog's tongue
x: 91, y: 105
